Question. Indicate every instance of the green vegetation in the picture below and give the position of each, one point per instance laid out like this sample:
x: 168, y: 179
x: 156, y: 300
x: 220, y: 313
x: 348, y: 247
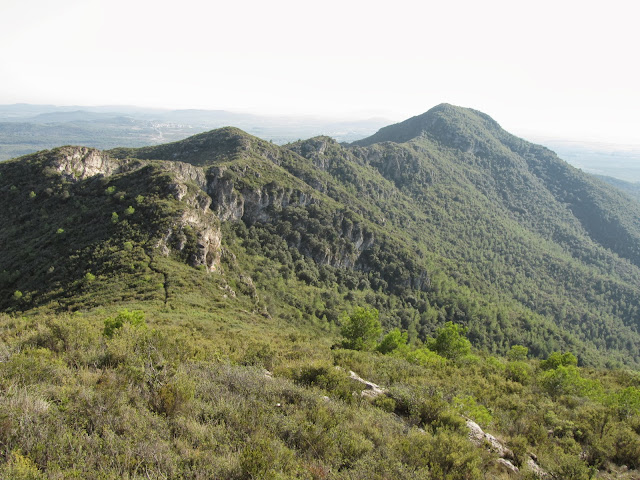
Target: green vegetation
x: 187, y: 396
x: 361, y: 329
x: 467, y: 272
x: 135, y: 319
x: 450, y: 342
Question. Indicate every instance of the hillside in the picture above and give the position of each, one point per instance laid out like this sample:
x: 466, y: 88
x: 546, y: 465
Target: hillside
x: 470, y: 223
x: 244, y: 253
x: 630, y: 188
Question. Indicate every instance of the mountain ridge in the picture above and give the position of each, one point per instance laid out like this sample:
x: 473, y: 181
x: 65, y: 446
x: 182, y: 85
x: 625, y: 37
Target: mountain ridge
x: 488, y: 215
x: 210, y: 308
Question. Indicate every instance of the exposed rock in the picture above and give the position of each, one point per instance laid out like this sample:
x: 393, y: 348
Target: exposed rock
x: 248, y: 287
x: 371, y: 389
x: 80, y: 163
x: 188, y: 173
x: 535, y: 468
x: 227, y: 202
x: 476, y: 435
x: 508, y: 465
x: 208, y: 249
x: 249, y: 204
x: 480, y: 438
x: 314, y: 149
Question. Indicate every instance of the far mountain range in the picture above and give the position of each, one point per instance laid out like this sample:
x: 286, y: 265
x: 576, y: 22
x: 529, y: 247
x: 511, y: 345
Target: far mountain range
x: 27, y: 128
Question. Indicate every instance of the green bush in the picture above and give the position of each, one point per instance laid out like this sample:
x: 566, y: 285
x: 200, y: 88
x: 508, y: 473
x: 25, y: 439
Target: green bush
x: 557, y: 359
x: 392, y: 341
x: 564, y: 381
x: 385, y: 403
x: 468, y: 406
x: 517, y: 353
x: 450, y: 342
x: 361, y: 329
x: 20, y: 467
x: 518, y: 371
x: 134, y: 318
x: 425, y: 358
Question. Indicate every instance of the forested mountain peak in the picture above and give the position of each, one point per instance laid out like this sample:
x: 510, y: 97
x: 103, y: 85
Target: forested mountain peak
x: 203, y: 149
x: 449, y: 124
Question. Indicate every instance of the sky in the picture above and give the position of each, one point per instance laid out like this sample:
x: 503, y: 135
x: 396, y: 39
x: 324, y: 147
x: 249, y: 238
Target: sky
x: 561, y: 68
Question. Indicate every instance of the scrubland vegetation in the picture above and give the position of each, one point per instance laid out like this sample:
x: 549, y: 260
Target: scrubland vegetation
x: 194, y: 310
x: 134, y: 395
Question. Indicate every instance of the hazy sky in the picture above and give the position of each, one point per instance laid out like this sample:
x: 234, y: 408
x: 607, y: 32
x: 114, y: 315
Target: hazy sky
x: 563, y: 68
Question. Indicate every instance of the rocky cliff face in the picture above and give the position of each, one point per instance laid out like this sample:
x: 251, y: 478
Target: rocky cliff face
x: 80, y: 163
x: 238, y: 202
x: 211, y: 195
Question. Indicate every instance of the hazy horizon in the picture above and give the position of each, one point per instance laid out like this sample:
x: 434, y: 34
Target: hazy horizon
x: 546, y: 68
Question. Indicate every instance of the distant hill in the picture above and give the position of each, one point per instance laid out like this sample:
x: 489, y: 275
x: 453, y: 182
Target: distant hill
x: 29, y: 128
x: 598, y: 158
x: 633, y: 189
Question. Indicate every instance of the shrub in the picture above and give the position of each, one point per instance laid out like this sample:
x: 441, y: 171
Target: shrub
x: 627, y: 402
x: 564, y: 381
x: 334, y: 381
x: 361, y: 329
x: 385, y: 403
x: 557, y: 359
x: 394, y: 340
x: 518, y: 372
x: 426, y: 358
x: 265, y: 458
x: 450, y: 341
x: 517, y: 353
x: 172, y: 396
x: 20, y: 467
x: 134, y: 318
x: 467, y: 405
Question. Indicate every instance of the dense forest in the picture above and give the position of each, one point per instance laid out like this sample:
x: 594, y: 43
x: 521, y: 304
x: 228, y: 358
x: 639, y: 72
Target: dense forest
x: 194, y: 309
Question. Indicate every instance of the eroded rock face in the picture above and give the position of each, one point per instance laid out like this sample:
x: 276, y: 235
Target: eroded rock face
x: 80, y: 163
x: 227, y: 203
x: 188, y: 173
x: 196, y: 219
x: 249, y: 204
